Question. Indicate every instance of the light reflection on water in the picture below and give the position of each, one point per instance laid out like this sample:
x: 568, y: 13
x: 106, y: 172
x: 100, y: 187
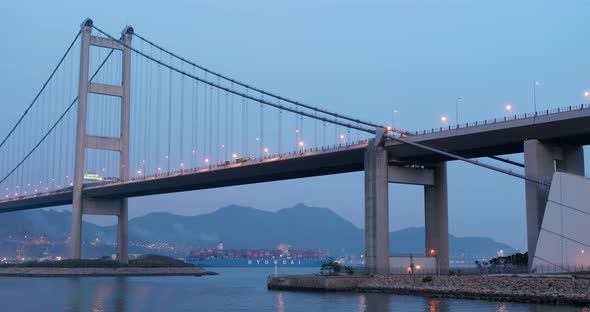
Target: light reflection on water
x: 234, y: 290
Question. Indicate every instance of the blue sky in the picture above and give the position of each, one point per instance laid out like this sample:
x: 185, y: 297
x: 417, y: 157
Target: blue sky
x: 359, y: 58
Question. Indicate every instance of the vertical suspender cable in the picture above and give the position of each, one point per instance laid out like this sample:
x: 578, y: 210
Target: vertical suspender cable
x: 211, y: 134
x: 205, y: 125
x: 193, y: 121
x: 218, y: 124
x: 244, y: 128
x: 168, y: 156
x: 233, y: 149
x: 158, y: 118
x: 226, y: 128
x: 181, y: 139
x: 261, y: 131
x: 280, y: 130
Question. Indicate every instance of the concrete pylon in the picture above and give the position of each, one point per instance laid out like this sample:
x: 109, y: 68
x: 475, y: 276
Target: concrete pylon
x: 436, y: 215
x: 541, y: 160
x: 81, y: 205
x: 376, y: 209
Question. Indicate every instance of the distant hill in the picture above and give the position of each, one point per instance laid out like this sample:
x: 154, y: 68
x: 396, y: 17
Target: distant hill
x: 239, y: 227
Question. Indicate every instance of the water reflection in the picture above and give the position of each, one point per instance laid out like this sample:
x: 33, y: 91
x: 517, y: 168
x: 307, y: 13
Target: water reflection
x: 73, y: 284
x: 119, y: 302
x: 104, y: 294
x: 233, y: 290
x: 433, y: 305
x: 280, y: 302
x: 502, y: 308
x: 377, y: 302
x: 362, y: 303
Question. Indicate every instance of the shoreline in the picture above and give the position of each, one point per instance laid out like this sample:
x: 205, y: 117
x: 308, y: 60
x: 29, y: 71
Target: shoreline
x: 524, y: 289
x: 123, y: 271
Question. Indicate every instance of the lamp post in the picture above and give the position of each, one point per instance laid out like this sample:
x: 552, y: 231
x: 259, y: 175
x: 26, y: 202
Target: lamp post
x: 582, y: 259
x: 444, y: 120
x: 508, y: 108
x: 587, y: 95
x: 535, y: 84
x: 432, y: 253
x: 457, y: 109
x: 393, y: 118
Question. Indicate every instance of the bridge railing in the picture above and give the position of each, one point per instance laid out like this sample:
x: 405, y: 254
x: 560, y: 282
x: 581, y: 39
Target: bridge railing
x: 504, y: 119
x: 252, y: 160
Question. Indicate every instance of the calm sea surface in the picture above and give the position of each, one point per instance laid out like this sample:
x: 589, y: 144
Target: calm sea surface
x: 236, y: 289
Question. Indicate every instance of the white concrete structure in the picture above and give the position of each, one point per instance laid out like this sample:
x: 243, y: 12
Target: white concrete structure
x: 421, y: 264
x: 564, y: 238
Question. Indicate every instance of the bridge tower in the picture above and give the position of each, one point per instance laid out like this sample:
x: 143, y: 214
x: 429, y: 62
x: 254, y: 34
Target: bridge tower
x: 379, y: 172
x: 80, y: 204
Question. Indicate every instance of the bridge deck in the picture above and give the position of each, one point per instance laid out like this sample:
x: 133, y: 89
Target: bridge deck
x: 571, y: 126
x: 498, y: 137
x: 313, y: 163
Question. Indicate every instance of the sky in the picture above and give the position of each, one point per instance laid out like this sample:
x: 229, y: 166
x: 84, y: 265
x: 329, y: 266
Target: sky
x: 360, y: 58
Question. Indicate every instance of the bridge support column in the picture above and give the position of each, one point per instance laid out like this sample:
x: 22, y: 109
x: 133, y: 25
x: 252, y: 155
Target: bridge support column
x: 436, y: 213
x: 84, y: 141
x: 541, y: 160
x: 122, y: 236
x: 76, y: 234
x: 376, y: 209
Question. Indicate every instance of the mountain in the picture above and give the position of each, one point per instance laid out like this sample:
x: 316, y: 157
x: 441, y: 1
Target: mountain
x: 238, y: 227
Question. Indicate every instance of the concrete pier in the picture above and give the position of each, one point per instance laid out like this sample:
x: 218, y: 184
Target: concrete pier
x: 436, y: 215
x: 541, y: 160
x: 376, y: 209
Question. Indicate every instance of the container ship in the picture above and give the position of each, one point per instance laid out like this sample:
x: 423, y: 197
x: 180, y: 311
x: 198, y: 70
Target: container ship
x: 282, y: 257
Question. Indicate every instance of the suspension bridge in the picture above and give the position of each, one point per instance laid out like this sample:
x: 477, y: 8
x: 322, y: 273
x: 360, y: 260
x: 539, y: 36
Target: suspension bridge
x: 121, y: 116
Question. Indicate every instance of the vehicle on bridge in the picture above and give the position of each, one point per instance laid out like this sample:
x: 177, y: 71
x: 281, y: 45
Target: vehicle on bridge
x: 223, y: 163
x: 91, y: 176
x: 242, y: 160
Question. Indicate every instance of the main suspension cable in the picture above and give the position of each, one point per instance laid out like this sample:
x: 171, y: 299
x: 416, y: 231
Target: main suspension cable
x: 278, y: 97
x: 40, y: 91
x: 55, y: 124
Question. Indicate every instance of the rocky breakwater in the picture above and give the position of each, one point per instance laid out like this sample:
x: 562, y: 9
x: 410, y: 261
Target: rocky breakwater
x: 523, y: 288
